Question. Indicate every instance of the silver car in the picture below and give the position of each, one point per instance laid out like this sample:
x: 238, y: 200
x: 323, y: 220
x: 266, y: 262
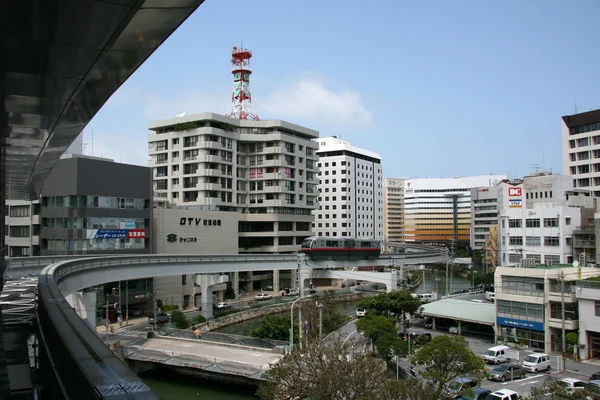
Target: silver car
x: 507, y: 371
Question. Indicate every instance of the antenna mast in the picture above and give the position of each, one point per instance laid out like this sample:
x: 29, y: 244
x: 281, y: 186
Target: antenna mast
x: 241, y: 98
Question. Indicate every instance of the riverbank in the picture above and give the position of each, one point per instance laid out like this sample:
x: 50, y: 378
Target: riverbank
x: 246, y: 315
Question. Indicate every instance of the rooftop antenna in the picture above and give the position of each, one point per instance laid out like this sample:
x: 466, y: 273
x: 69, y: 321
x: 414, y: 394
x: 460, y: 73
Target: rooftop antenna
x: 83, y: 144
x: 241, y: 98
x: 536, y: 167
x: 575, y: 106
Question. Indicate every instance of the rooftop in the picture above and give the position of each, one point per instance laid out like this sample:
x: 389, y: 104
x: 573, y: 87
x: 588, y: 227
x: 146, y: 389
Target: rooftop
x: 463, y: 310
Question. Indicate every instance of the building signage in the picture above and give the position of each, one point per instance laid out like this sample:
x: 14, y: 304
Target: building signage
x: 171, y: 238
x: 518, y: 323
x: 484, y: 190
x: 116, y: 233
x: 514, y: 203
x: 538, y: 186
x: 514, y: 192
x: 199, y: 221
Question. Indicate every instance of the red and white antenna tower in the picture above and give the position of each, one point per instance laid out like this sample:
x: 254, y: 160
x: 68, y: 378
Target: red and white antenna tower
x: 241, y: 98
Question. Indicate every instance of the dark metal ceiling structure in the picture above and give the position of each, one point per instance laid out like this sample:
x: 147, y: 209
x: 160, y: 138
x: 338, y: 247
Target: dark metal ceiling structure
x: 60, y: 61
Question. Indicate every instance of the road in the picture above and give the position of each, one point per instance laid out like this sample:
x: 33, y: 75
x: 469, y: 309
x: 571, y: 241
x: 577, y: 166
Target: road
x: 479, y: 346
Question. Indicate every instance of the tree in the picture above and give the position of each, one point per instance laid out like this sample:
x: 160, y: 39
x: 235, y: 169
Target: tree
x: 389, y: 345
x: 551, y: 389
x: 326, y: 371
x: 229, y: 293
x: 406, y: 389
x: 396, y: 302
x: 447, y: 357
x: 273, y: 327
x: 180, y: 321
x: 375, y: 326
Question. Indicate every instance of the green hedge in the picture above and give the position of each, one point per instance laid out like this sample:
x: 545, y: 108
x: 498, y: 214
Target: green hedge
x: 170, y: 307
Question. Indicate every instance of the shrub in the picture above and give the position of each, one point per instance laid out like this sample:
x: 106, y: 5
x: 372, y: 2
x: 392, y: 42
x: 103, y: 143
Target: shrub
x: 170, y: 307
x: 198, y: 319
x: 229, y: 293
x: 180, y: 321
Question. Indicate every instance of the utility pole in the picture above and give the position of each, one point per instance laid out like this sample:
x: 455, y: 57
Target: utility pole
x: 320, y: 308
x: 126, y: 302
x: 562, y: 311
x: 106, y: 319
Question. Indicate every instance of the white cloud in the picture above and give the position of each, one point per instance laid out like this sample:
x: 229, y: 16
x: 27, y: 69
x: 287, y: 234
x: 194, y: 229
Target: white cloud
x: 308, y: 99
x: 306, y: 102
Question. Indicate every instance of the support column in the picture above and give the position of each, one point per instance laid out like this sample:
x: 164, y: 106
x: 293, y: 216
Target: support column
x: 276, y: 281
x: 236, y: 282
x: 293, y: 278
x: 433, y: 323
x: 84, y: 304
x: 207, y: 301
x: 460, y: 327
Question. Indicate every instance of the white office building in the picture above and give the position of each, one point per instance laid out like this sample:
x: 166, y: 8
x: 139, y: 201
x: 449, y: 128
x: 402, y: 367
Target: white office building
x: 350, y: 191
x: 438, y: 210
x: 581, y: 150
x: 538, y: 216
x: 393, y: 210
x: 264, y: 172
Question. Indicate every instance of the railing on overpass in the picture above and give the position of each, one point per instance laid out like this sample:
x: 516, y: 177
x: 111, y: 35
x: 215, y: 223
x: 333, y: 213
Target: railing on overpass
x: 82, y: 364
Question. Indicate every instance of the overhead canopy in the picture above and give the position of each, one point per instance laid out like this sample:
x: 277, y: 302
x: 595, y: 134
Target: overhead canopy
x: 462, y: 310
x: 60, y: 61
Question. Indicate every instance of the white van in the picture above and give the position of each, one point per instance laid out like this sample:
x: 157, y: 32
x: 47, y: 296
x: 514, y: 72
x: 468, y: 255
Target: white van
x: 537, y: 362
x: 490, y: 296
x: 496, y: 355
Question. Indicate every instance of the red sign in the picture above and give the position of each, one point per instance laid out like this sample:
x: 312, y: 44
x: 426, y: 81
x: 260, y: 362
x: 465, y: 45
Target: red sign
x: 136, y: 234
x: 516, y: 192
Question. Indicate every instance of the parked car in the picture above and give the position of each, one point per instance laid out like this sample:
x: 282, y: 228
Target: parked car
x: 223, y: 306
x: 361, y: 312
x: 537, y: 362
x: 478, y: 394
x: 290, y: 292
x: 507, y: 371
x: 263, y: 296
x: 595, y: 376
x: 453, y: 329
x: 459, y: 385
x: 572, y: 384
x: 162, y: 318
x: 310, y: 290
x: 503, y: 394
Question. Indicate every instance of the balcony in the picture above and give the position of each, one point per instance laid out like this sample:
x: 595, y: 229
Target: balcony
x: 585, y: 244
x: 209, y: 186
x: 210, y: 145
x: 271, y: 150
x: 589, y: 290
x: 270, y: 163
x: 190, y: 159
x: 205, y: 158
x: 569, y: 324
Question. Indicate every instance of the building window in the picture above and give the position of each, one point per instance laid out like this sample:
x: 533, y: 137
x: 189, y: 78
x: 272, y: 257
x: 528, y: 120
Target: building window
x: 183, y: 279
x: 597, y: 307
x: 523, y: 286
x: 515, y: 240
x: 19, y: 231
x: 533, y: 241
x: 567, y: 221
x: 551, y: 223
x: 19, y: 211
x: 551, y: 241
x: 515, y: 223
x: 532, y: 223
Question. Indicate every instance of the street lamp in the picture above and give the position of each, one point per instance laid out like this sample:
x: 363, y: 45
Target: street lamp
x: 292, y: 320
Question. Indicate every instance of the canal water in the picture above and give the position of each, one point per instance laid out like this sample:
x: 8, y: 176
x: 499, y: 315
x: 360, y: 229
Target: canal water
x: 172, y: 386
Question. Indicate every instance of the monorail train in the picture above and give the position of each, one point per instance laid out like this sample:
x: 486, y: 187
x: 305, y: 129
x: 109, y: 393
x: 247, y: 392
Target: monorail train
x: 341, y: 249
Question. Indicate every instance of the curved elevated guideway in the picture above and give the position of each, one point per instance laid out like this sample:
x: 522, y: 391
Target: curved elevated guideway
x: 82, y: 363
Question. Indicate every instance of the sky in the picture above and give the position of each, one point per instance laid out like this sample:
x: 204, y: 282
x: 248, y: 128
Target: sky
x: 438, y: 88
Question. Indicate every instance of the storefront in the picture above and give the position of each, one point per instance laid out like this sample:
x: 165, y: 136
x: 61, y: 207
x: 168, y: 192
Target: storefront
x: 529, y: 333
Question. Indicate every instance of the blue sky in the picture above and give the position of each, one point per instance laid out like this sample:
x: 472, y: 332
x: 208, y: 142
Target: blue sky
x: 438, y: 88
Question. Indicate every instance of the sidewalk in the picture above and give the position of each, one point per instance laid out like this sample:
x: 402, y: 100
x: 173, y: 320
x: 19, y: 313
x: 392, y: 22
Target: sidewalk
x: 116, y: 326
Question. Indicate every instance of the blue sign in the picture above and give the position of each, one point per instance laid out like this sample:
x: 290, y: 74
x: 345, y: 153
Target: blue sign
x: 518, y: 323
x: 111, y: 234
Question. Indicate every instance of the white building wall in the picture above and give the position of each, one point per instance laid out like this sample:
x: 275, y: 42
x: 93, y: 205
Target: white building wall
x: 185, y: 231
x: 350, y: 189
x: 581, y: 150
x: 20, y: 217
x: 537, y: 219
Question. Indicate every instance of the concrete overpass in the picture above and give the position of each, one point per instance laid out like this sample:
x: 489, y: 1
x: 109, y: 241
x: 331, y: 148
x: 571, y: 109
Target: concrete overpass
x: 82, y: 363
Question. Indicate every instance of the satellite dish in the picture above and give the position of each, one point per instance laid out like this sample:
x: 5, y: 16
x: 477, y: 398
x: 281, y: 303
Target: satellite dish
x: 576, y: 264
x: 180, y: 115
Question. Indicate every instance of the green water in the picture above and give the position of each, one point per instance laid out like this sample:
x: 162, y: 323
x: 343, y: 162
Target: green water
x: 171, y: 386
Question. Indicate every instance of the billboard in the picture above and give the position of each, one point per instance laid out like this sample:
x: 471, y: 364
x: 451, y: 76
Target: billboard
x: 515, y: 203
x: 514, y: 191
x: 116, y: 233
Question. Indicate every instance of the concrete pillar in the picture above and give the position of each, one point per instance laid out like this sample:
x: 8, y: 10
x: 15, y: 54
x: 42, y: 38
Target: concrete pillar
x: 433, y: 323
x: 221, y: 295
x: 276, y: 281
x: 460, y: 327
x: 84, y: 304
x: 305, y: 275
x: 207, y: 301
x: 235, y: 277
x: 294, y: 278
x: 583, y: 340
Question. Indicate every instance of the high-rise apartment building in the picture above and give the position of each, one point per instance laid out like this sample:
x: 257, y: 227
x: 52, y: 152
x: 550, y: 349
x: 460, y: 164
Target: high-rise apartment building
x: 265, y: 171
x: 350, y: 191
x: 484, y: 215
x: 438, y: 211
x: 581, y: 150
x: 393, y: 210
